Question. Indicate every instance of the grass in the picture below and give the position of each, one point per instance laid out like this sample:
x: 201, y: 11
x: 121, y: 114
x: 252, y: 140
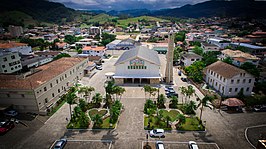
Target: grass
x: 172, y: 114
x: 101, y: 18
x: 106, y: 123
x: 93, y: 112
x: 153, y: 125
x: 72, y: 125
x: 192, y: 124
x: 56, y: 108
x: 125, y: 22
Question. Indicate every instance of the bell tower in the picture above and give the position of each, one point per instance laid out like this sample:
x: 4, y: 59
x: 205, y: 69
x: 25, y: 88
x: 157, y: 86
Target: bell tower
x: 169, y: 59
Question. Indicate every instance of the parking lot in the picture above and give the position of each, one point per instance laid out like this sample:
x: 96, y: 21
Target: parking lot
x: 180, y: 145
x: 85, y: 144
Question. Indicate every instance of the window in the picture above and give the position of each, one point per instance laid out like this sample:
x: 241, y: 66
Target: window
x: 45, y: 89
x: 192, y: 59
x: 58, y: 90
x: 22, y: 95
x: 249, y: 81
x: 65, y: 75
x: 13, y: 56
x: 230, y: 90
x: 57, y: 81
x: 216, y: 84
x: 145, y: 67
x: 51, y: 84
x: 247, y: 89
x: 52, y: 94
x: 3, y: 66
x: 224, y: 80
x: 46, y: 100
x: 19, y: 65
x: 5, y: 59
x: 238, y: 81
x: 5, y: 70
x: 232, y: 81
x: 244, y: 74
x: 128, y: 67
x: 236, y: 89
x: 244, y: 80
x: 220, y: 77
x: 8, y: 95
x: 12, y: 68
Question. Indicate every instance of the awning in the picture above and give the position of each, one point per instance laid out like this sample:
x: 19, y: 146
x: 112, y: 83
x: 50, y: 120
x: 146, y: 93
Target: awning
x: 233, y: 102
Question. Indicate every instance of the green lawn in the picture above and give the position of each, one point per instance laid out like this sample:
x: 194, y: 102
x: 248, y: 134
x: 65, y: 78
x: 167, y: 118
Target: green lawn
x: 93, y: 112
x: 75, y: 125
x: 172, y: 114
x: 162, y: 124
x: 124, y: 22
x: 106, y: 123
x: 192, y: 124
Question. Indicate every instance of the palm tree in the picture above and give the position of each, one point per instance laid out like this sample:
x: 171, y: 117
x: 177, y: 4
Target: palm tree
x: 190, y: 91
x: 183, y: 91
x: 191, y: 107
x: 114, y: 113
x: 168, y: 118
x: 174, y: 101
x: 87, y: 91
x: 118, y: 91
x: 146, y: 89
x: 181, y: 118
x: 97, y: 119
x: 205, y: 102
x: 161, y: 101
x: 109, y: 88
x: 97, y: 98
x: 71, y: 100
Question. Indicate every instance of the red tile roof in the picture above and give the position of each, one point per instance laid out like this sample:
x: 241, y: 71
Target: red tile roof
x: 100, y: 48
x: 11, y: 45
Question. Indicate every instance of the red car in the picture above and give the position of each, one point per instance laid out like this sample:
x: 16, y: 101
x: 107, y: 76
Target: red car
x: 6, y: 126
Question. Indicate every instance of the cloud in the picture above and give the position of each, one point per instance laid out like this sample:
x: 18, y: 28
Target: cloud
x: 125, y: 4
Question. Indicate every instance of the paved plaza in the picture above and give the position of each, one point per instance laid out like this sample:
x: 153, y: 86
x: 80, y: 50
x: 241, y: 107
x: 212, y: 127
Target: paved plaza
x: 226, y: 131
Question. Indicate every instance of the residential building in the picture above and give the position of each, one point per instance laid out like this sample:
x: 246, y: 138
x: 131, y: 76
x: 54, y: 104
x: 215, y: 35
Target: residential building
x: 220, y: 42
x: 47, y: 53
x: 94, y: 50
x: 61, y: 45
x: 228, y: 80
x: 10, y: 62
x: 15, y: 31
x: 253, y: 49
x: 209, y: 47
x: 189, y: 58
x: 239, y: 57
x: 112, y: 45
x: 93, y: 30
x: 127, y: 44
x: 38, y: 91
x: 22, y: 48
x: 34, y: 61
x: 139, y: 65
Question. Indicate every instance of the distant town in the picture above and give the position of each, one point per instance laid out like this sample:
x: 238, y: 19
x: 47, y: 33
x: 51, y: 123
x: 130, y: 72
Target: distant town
x: 135, y: 82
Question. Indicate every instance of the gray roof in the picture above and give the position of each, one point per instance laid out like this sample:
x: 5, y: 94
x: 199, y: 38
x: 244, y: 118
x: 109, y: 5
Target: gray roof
x: 248, y: 45
x: 191, y: 55
x: 140, y: 52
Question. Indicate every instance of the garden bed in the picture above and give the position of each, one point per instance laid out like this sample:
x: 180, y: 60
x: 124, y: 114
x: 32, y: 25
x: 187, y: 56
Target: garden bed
x: 153, y: 124
x: 172, y: 114
x: 93, y: 112
x: 191, y: 124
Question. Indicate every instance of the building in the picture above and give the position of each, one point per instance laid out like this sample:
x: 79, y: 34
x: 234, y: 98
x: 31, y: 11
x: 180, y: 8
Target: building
x: 21, y: 48
x: 189, y: 58
x: 47, y: 53
x: 139, y: 65
x: 220, y: 42
x: 112, y: 45
x: 161, y: 48
x: 94, y: 50
x: 32, y: 61
x: 15, y: 31
x: 93, y: 30
x: 253, y: 49
x: 61, y: 45
x: 228, y: 80
x: 239, y: 57
x: 10, y: 62
x: 127, y: 44
x: 39, y: 90
x: 209, y: 47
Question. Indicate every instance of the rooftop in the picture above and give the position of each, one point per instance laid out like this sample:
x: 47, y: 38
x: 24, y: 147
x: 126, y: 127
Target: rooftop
x: 191, y: 55
x: 94, y: 48
x: 249, y: 46
x: 45, y: 73
x: 11, y: 45
x: 239, y: 54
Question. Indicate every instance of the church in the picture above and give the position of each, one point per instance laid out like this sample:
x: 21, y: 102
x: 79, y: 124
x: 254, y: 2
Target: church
x: 139, y: 65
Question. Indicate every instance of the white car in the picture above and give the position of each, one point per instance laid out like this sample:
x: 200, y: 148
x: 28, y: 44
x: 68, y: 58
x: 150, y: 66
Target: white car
x: 192, y: 145
x: 159, y: 145
x: 157, y: 133
x: 99, y: 67
x: 11, y: 113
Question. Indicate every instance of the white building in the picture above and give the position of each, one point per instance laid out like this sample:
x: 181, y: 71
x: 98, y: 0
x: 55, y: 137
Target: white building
x: 112, y: 45
x: 127, y: 44
x: 22, y: 48
x: 239, y: 57
x: 209, y: 47
x: 39, y: 91
x: 220, y: 42
x: 94, y: 50
x: 10, y: 62
x: 189, y: 58
x: 139, y: 65
x: 228, y: 80
x: 93, y: 30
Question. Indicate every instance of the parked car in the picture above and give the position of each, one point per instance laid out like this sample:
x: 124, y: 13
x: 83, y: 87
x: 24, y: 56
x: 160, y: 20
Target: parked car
x: 192, y: 145
x: 157, y: 133
x: 179, y: 73
x: 11, y: 113
x: 184, y: 79
x: 260, y: 108
x: 99, y: 67
x: 159, y: 145
x: 172, y: 94
x: 60, y: 144
x: 5, y: 126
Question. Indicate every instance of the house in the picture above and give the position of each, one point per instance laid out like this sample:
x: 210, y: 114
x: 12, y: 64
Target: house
x: 33, y: 61
x: 253, y: 49
x: 21, y: 48
x: 9, y: 62
x: 94, y: 50
x: 220, y: 42
x: 239, y: 57
x: 93, y: 30
x: 189, y: 58
x: 112, y: 45
x: 47, y: 53
x: 228, y: 80
x: 139, y: 65
x: 209, y: 47
x: 127, y: 44
x: 61, y: 45
x: 38, y: 91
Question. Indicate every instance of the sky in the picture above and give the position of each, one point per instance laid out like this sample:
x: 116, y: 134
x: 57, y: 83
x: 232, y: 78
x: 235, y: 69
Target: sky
x: 108, y: 5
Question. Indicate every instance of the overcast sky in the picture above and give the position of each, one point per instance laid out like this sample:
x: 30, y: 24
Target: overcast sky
x: 125, y: 4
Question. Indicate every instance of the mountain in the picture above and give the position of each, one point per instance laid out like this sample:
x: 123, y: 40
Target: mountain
x: 234, y: 8
x: 41, y: 10
x: 131, y: 13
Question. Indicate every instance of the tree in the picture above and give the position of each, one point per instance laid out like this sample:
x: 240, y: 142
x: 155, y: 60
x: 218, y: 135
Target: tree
x: 107, y: 38
x: 98, y: 121
x: 87, y: 91
x: 149, y: 107
x: 210, y: 57
x: 189, y: 108
x: 177, y: 52
x: 70, y: 39
x: 251, y: 68
x: 97, y: 98
x: 198, y: 50
x: 195, y: 43
x: 228, y: 60
x: 205, y: 103
x: 168, y: 118
x: 161, y: 101
x: 71, y: 100
x: 194, y: 71
x: 181, y: 119
x: 119, y: 91
x: 109, y: 88
x: 61, y: 55
x: 190, y: 91
x: 83, y: 105
x: 173, y: 102
x: 183, y: 91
